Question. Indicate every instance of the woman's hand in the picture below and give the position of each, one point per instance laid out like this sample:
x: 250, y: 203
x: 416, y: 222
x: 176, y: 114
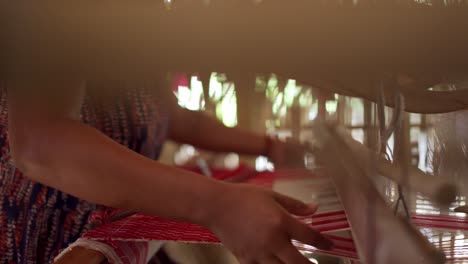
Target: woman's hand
x: 257, y: 225
x: 287, y: 154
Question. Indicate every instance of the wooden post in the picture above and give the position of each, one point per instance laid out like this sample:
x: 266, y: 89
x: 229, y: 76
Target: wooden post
x: 340, y: 111
x: 322, y: 109
x: 296, y: 120
x: 205, y: 78
x: 368, y: 113
x: 245, y: 84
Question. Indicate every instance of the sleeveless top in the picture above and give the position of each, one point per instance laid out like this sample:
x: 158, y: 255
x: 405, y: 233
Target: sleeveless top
x: 37, y: 221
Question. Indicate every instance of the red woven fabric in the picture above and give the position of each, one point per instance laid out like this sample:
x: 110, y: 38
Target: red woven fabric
x: 241, y: 173
x: 146, y: 228
x: 133, y: 231
x: 143, y: 227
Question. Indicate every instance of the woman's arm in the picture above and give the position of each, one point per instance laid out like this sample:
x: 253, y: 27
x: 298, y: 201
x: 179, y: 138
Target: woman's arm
x: 203, y: 131
x: 51, y: 146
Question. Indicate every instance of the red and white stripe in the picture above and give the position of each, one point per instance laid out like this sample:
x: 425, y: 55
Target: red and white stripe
x: 327, y: 222
x: 125, y: 235
x: 441, y: 222
x: 129, y: 237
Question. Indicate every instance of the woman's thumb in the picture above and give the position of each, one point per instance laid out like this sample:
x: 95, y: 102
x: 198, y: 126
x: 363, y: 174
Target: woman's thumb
x: 294, y: 206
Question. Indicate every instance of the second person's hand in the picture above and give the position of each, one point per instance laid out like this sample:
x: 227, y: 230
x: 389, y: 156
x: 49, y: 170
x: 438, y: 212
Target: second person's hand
x: 286, y: 154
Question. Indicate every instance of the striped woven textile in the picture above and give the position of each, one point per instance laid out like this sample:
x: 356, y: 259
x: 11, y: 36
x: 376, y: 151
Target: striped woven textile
x: 129, y: 241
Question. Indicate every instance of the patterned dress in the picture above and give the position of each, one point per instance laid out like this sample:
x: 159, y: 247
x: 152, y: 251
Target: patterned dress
x: 37, y: 221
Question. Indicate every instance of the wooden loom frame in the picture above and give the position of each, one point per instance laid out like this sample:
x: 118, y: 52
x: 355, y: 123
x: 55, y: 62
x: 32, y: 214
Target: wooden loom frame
x: 61, y: 45
x: 393, y: 235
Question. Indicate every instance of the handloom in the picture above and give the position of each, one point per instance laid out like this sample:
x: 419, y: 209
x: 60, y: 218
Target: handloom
x: 341, y: 50
x: 365, y: 228
x: 125, y: 241
x: 339, y: 221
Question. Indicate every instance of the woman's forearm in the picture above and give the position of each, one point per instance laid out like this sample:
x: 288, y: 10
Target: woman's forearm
x: 79, y: 160
x: 203, y: 131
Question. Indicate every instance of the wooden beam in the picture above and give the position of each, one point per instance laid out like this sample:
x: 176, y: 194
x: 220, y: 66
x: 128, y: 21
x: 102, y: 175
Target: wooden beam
x: 133, y: 40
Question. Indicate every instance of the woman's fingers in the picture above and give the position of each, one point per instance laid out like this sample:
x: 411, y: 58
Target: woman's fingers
x: 274, y: 227
x: 294, y: 206
x: 303, y: 233
x: 288, y: 254
x: 271, y: 260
